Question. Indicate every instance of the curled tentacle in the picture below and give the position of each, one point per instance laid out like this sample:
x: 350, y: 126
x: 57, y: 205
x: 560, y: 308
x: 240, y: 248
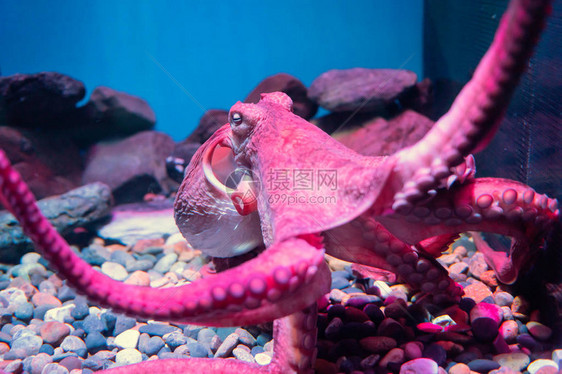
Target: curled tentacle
x: 484, y: 204
x: 475, y: 114
x: 267, y: 287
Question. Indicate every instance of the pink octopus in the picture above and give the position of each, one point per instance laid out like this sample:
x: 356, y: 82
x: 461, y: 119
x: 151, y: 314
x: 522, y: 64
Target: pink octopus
x: 396, y: 212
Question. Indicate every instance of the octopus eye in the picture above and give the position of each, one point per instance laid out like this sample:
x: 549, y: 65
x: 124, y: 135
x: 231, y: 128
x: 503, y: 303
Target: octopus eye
x: 236, y: 118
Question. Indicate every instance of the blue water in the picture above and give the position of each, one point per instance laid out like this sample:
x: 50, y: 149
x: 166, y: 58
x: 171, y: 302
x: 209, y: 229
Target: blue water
x: 184, y: 57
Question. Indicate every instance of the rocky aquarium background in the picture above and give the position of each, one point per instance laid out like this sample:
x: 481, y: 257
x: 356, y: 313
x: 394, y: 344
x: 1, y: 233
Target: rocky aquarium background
x: 115, y: 97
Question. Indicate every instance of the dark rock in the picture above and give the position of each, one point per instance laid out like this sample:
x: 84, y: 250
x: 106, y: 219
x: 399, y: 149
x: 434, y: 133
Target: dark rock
x: 93, y: 323
x: 157, y: 329
x: 360, y: 89
x: 49, y: 163
x: 24, y: 311
x: 210, y: 122
x: 197, y: 350
x: 175, y: 339
x: 374, y: 312
x: 483, y: 365
x: 436, y: 353
x: 47, y: 348
x: 132, y: 167
x: 391, y: 328
x: 80, y: 311
x: 334, y: 329
x: 78, y: 207
x: 66, y: 293
x: 71, y: 363
x: 297, y: 91
x: 112, y: 114
x: 358, y: 330
x: 381, y: 137
x: 180, y: 158
x: 123, y: 323
x: 49, y: 96
x: 151, y: 346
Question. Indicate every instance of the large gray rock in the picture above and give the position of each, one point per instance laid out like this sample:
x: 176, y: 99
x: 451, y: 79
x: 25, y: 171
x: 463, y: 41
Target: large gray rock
x: 112, y: 114
x: 132, y: 167
x: 380, y: 137
x: 39, y: 100
x: 297, y: 91
x: 49, y: 164
x: 360, y: 89
x: 76, y: 208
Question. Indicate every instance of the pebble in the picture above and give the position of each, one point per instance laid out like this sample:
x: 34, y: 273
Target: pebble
x: 263, y: 358
x: 29, y: 344
x: 175, y: 339
x: 80, y: 311
x: 197, y: 350
x: 158, y: 329
x: 53, y: 332
x: 58, y: 314
x: 459, y: 368
x: 435, y: 352
x: 114, y: 270
x: 395, y: 355
x: 165, y: 263
x: 540, y: 363
x: 71, y: 363
x: 123, y: 323
x: 95, y: 342
x: 419, y: 365
x: 39, y: 361
x: 477, y: 291
x: 139, y: 278
x: 502, y: 298
x: 127, y: 339
x: 539, y: 331
x: 516, y: 361
x: 93, y: 323
x: 24, y: 312
x: 54, y: 368
x: 483, y: 365
x: 245, y: 337
x: 243, y: 354
x: 557, y: 357
x: 74, y: 344
x: 378, y: 344
x: 509, y: 330
x: 225, y: 349
x: 128, y: 356
x: 151, y: 345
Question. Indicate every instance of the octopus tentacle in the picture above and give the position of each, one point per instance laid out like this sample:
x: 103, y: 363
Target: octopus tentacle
x: 475, y: 114
x: 369, y: 243
x: 267, y: 287
x: 484, y: 204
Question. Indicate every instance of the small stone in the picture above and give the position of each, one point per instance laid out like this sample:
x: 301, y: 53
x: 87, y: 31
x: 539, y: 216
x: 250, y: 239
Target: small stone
x: 459, y: 368
x: 165, y: 263
x: 72, y: 363
x: 458, y: 268
x: 73, y: 344
x: 80, y: 311
x: 520, y: 306
x: 243, y: 354
x: 158, y: 329
x: 516, y: 361
x: 95, y: 342
x: 54, y: 368
x: 536, y: 365
x: 420, y: 365
x: 127, y: 339
x: 225, y: 349
x: 138, y: 278
x: 245, y: 337
x: 391, y: 328
x: 151, y: 346
x: 477, y: 291
x: 263, y: 358
x: 485, y: 320
x: 29, y: 344
x: 128, y: 356
x: 41, y: 298
x: 489, y: 278
x: 509, y: 330
x: 435, y: 352
x: 197, y: 350
x: 477, y: 265
x: 114, y: 270
x: 413, y: 350
x: 557, y: 357
x: 502, y: 298
x: 539, y: 331
x: 93, y: 323
x: 395, y: 355
x: 24, y: 312
x: 53, y: 332
x: 378, y: 344
x: 483, y: 366
x: 123, y: 323
x: 175, y: 339
x: 39, y: 361
x: 58, y: 314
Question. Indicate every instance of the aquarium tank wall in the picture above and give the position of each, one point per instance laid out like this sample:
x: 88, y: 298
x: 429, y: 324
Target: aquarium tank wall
x: 187, y: 57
